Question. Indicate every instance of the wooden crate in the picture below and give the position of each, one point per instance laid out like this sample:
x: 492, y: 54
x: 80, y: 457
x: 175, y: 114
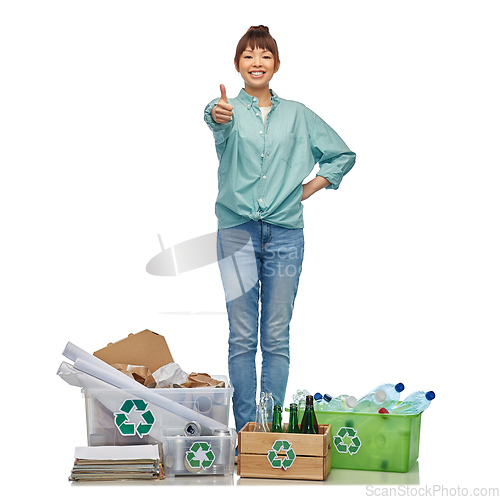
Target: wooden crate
x: 311, y: 454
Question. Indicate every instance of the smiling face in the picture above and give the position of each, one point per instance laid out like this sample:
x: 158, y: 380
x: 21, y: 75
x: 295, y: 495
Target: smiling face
x: 257, y: 67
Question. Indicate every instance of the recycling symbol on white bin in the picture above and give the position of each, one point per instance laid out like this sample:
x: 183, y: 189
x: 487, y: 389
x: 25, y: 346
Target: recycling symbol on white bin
x: 352, y: 443
x: 128, y: 428
x: 200, y: 455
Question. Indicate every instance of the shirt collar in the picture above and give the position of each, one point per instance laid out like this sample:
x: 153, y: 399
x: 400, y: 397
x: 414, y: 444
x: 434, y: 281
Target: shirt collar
x: 248, y: 99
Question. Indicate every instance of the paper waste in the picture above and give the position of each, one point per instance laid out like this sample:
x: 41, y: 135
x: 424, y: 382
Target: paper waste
x: 116, y: 463
x: 98, y: 377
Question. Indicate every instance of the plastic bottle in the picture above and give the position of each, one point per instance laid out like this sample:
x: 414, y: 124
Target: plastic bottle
x: 327, y: 399
x: 299, y: 398
x: 371, y: 402
x: 393, y: 393
x: 340, y: 403
x: 415, y: 403
x: 319, y: 402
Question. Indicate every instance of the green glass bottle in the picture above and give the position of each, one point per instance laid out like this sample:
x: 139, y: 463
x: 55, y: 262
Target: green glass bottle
x: 307, y: 424
x: 293, y: 424
x: 277, y: 414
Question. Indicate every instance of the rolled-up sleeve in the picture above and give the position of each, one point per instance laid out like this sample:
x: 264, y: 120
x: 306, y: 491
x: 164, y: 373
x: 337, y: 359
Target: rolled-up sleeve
x: 221, y: 131
x: 335, y: 159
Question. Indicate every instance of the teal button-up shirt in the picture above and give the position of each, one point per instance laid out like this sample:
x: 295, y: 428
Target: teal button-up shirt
x: 261, y: 168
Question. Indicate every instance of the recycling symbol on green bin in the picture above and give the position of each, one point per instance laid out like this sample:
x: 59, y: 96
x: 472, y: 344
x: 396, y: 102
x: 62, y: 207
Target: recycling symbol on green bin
x: 279, y: 462
x: 128, y: 428
x: 347, y: 441
x: 200, y: 455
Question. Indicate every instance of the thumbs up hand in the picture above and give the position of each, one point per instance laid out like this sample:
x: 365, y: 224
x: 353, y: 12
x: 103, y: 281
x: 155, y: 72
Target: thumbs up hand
x: 222, y: 111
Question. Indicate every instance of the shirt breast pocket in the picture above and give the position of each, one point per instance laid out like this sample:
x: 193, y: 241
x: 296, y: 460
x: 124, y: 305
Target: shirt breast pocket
x: 294, y: 151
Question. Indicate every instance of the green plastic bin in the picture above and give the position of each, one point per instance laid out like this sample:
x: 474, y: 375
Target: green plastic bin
x: 372, y: 441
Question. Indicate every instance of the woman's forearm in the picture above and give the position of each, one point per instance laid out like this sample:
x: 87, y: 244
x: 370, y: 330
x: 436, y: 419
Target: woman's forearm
x: 312, y: 186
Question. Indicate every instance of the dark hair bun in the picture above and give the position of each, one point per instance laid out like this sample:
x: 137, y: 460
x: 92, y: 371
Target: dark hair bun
x: 258, y: 28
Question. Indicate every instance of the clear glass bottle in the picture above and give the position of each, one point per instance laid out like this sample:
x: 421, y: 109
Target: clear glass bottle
x: 260, y: 420
x: 266, y: 399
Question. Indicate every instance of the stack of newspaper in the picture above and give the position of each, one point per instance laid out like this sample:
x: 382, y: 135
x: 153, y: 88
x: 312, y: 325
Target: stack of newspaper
x: 115, y: 463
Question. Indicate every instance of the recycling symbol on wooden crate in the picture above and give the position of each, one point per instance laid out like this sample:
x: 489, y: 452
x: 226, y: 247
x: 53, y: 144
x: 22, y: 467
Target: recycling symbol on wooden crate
x: 200, y: 455
x: 281, y: 462
x: 128, y: 428
x: 347, y: 441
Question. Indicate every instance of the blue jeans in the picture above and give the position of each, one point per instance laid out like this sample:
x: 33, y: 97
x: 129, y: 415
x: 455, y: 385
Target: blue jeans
x: 259, y: 262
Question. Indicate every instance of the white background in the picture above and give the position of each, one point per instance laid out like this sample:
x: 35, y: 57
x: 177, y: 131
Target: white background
x: 103, y: 147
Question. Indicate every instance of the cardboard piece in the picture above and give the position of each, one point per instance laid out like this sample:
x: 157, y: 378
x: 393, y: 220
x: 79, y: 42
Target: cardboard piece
x: 140, y: 374
x: 145, y: 348
x: 201, y: 380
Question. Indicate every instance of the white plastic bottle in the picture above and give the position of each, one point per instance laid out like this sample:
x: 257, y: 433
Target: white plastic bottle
x: 371, y: 402
x: 415, y: 403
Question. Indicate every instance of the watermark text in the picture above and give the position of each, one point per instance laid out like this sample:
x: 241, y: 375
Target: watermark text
x: 435, y: 490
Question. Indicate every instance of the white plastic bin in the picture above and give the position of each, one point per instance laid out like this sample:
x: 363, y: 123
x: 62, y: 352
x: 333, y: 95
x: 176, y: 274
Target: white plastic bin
x: 199, y: 454
x: 116, y: 417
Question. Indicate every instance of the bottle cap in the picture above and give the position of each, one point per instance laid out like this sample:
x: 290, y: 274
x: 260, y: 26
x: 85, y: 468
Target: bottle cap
x: 399, y: 387
x: 380, y: 395
x: 430, y: 395
x: 327, y: 397
x: 382, y: 410
x: 351, y: 402
x: 318, y: 396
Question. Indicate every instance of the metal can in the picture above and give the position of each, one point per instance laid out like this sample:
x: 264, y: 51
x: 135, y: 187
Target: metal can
x: 192, y: 429
x: 222, y: 439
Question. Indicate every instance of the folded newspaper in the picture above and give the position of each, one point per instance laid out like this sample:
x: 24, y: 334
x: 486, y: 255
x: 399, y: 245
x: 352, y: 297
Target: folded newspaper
x: 117, y: 463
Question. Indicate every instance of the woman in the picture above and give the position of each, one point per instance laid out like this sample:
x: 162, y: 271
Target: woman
x: 266, y: 147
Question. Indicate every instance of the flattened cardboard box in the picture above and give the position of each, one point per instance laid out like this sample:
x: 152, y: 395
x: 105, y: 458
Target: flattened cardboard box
x: 145, y: 348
